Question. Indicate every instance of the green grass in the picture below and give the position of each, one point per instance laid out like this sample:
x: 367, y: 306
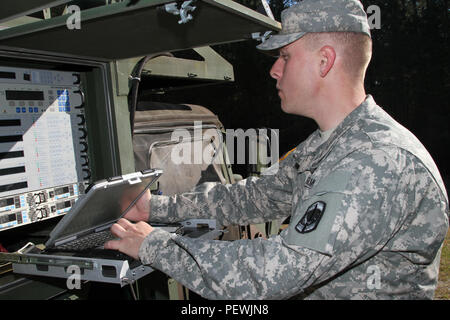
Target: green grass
x: 443, y: 288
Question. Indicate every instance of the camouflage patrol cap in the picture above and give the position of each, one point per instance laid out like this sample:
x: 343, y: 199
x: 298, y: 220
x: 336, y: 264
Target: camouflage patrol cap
x: 318, y: 16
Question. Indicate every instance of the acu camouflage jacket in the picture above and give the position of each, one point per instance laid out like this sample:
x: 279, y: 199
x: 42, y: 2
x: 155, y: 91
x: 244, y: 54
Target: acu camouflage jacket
x: 384, y: 216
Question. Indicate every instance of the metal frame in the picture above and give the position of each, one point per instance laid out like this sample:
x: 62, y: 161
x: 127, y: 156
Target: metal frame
x: 105, y: 30
x: 17, y: 8
x: 97, y: 269
x: 92, y: 269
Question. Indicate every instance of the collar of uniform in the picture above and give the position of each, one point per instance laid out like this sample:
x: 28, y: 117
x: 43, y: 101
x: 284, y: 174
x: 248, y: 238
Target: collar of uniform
x: 318, y: 153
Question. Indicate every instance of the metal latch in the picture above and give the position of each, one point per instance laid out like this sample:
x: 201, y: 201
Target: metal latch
x: 258, y: 35
x: 183, y: 11
x: 261, y: 37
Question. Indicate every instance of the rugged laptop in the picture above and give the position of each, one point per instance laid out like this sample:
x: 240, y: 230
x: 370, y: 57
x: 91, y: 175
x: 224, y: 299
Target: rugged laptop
x: 88, y: 222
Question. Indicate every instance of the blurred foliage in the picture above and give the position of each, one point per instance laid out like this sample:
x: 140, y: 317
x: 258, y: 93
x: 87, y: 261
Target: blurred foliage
x: 443, y: 287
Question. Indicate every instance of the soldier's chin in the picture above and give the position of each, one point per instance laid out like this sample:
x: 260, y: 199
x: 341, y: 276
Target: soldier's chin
x: 286, y: 108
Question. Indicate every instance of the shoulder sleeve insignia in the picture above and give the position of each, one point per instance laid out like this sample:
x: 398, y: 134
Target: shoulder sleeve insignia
x: 311, y: 218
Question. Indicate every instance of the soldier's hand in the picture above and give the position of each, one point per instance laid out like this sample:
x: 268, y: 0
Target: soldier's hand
x: 131, y: 236
x: 141, y: 210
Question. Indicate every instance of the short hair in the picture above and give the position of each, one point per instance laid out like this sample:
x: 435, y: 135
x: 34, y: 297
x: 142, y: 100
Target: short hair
x: 355, y: 49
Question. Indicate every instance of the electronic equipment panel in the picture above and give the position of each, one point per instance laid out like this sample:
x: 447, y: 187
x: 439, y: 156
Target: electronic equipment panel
x: 43, y: 144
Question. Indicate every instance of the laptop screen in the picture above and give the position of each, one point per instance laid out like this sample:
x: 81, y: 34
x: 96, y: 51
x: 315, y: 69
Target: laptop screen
x: 104, y: 203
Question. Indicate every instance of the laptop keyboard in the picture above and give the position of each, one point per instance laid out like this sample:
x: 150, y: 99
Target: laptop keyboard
x: 92, y: 240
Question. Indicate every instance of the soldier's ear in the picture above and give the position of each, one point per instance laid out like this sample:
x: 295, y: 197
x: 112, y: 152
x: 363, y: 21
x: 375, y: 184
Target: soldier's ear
x: 327, y: 56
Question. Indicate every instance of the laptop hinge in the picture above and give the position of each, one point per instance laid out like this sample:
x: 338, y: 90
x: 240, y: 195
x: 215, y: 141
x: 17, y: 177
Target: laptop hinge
x: 57, y: 243
x: 103, y: 227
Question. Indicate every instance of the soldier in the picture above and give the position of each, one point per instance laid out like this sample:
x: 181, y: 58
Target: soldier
x: 367, y: 205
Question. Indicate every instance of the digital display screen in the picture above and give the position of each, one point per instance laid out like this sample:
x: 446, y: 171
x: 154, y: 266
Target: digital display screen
x: 10, y: 155
x: 13, y: 186
x: 7, y: 171
x: 24, y: 95
x: 7, y: 218
x: 61, y: 191
x: 6, y: 202
x: 7, y: 75
x: 62, y: 205
x: 4, y: 139
x: 10, y: 122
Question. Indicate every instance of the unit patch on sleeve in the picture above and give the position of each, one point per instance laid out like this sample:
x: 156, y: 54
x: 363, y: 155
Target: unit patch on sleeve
x: 311, y: 218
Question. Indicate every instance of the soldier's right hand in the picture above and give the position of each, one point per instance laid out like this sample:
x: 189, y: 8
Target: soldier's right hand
x: 141, y: 210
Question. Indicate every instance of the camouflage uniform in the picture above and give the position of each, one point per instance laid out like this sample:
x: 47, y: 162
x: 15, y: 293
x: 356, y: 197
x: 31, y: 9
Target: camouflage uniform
x: 380, y: 235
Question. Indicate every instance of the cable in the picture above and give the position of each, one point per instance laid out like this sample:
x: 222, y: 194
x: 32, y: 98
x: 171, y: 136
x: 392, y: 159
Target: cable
x: 128, y: 281
x: 135, y: 79
x: 137, y: 290
x: 132, y: 291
